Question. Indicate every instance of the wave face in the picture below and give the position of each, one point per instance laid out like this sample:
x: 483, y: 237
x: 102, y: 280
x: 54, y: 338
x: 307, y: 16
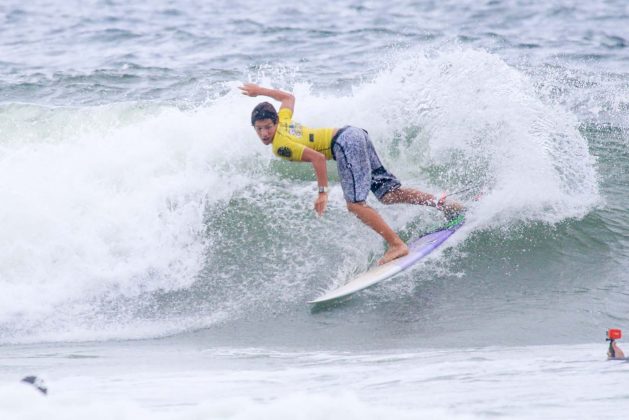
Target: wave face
x: 138, y: 203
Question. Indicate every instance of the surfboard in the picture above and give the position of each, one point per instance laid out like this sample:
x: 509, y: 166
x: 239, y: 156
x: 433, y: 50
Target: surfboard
x: 417, y: 249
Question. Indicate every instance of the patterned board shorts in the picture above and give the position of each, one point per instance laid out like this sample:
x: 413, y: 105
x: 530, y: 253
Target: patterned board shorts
x: 359, y: 167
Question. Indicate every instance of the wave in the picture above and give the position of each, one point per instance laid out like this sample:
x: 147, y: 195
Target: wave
x: 138, y: 220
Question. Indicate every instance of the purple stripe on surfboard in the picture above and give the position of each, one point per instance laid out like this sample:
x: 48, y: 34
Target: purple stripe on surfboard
x: 423, y: 246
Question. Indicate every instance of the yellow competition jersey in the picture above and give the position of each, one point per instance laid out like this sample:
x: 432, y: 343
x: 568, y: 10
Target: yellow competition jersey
x: 292, y: 138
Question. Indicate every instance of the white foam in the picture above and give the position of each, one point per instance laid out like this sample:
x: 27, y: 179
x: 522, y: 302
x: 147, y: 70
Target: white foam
x: 19, y: 402
x: 530, y: 154
x: 146, y: 380
x: 115, y: 209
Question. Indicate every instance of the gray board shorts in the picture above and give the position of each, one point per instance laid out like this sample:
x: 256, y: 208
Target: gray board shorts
x: 359, y: 166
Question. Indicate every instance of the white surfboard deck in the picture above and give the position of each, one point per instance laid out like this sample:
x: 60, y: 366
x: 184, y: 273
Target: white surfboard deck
x: 418, y: 249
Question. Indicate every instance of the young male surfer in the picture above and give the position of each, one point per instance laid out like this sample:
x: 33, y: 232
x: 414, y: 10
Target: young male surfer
x: 359, y: 167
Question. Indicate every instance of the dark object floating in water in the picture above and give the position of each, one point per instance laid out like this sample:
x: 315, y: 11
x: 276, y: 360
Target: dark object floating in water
x: 37, y: 383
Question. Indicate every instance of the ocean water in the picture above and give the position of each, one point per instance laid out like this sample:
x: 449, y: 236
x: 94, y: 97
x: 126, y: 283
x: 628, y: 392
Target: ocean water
x: 156, y: 259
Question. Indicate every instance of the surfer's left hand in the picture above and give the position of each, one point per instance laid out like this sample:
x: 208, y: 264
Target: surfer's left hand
x: 321, y: 203
x: 250, y: 89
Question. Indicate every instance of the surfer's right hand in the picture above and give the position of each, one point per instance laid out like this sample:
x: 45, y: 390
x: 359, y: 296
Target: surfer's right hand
x: 321, y: 203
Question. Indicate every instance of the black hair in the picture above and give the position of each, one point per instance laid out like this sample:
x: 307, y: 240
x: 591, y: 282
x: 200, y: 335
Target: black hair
x: 263, y: 111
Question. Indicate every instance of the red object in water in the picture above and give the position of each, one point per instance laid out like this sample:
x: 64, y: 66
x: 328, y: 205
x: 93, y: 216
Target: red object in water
x: 614, y: 334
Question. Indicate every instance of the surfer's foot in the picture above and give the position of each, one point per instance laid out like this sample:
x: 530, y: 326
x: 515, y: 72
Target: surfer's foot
x: 394, y: 251
x: 452, y: 210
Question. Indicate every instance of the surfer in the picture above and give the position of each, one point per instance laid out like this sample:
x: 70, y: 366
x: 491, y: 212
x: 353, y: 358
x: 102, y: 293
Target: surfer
x: 614, y: 352
x: 359, y: 167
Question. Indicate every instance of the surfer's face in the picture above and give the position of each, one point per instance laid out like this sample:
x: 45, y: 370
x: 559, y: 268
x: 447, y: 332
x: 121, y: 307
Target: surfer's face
x: 265, y: 129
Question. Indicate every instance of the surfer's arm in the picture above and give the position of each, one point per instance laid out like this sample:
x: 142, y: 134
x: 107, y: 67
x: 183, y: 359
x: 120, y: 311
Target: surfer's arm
x: 287, y: 99
x: 319, y: 164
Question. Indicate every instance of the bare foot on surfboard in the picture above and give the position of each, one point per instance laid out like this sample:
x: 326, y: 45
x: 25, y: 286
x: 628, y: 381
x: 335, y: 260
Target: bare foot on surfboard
x: 450, y: 210
x: 394, y: 252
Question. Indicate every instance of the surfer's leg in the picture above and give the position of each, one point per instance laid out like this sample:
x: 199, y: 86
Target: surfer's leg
x: 409, y: 196
x: 413, y: 196
x: 354, y: 167
x: 370, y: 217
